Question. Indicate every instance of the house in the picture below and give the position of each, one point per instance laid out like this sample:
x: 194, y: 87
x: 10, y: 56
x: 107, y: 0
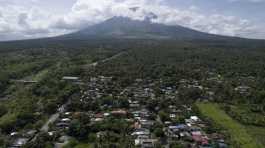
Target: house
x: 184, y: 134
x: 14, y: 134
x: 143, y: 137
x: 146, y: 123
x: 195, y: 129
x: 106, y: 114
x: 119, y: 113
x: 195, y: 87
x: 67, y: 113
x: 222, y: 144
x: 167, y: 122
x: 242, y: 89
x: 175, y: 111
x: 172, y: 115
x: 105, y: 79
x: 175, y: 131
x: 192, y: 120
x: 138, y: 80
x: 189, y: 122
x: 141, y: 131
x: 97, y: 119
x: 63, y: 139
x: 101, y: 134
x: 183, y: 81
x: 210, y: 93
x: 139, y: 139
x: 51, y: 133
x: 202, y: 140
x: 19, y: 142
x: 179, y: 127
x: 148, y: 143
x: 136, y: 114
x: 68, y: 78
x: 66, y: 120
x: 137, y: 125
x: 172, y: 133
x: 30, y: 133
x: 134, y: 104
x: 195, y: 118
x: 172, y: 107
x: 144, y: 113
x: 99, y: 115
x: 196, y: 133
x: 141, y: 114
x: 62, y: 125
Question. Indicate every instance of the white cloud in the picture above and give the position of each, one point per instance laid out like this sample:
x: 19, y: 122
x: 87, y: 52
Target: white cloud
x: 252, y: 1
x: 90, y: 12
x: 26, y: 22
x: 19, y: 22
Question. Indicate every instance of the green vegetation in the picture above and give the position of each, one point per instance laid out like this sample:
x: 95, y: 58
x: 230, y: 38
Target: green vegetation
x: 75, y: 144
x: 39, y: 75
x: 83, y: 146
x: 238, y: 133
x: 246, y: 114
x: 258, y: 133
x: 27, y: 106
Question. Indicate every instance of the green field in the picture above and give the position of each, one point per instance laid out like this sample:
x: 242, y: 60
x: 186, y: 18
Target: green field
x: 258, y: 133
x: 239, y: 134
x: 73, y: 143
x: 82, y: 145
x: 39, y: 75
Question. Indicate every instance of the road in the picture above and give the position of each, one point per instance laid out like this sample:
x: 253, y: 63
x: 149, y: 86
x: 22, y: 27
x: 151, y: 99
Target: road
x: 165, y: 140
x: 23, y: 81
x: 54, y: 117
x: 61, y: 145
x: 51, y: 120
x: 107, y: 59
x: 113, y: 57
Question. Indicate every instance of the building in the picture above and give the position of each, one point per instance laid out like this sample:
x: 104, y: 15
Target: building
x: 19, y: 142
x: 68, y: 78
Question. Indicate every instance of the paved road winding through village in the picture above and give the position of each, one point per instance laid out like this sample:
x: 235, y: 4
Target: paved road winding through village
x: 54, y: 117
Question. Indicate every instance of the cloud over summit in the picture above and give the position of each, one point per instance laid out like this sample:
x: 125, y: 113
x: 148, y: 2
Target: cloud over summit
x: 19, y: 22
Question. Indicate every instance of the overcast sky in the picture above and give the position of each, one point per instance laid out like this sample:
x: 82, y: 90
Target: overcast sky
x: 23, y: 19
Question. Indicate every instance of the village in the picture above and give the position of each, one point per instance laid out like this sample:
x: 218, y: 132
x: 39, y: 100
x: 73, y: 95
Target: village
x: 147, y: 113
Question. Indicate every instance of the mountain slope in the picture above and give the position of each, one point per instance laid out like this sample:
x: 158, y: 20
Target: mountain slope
x: 121, y: 27
x: 119, y: 31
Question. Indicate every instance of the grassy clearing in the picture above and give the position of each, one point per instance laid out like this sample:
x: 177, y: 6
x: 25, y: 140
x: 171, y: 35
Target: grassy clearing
x: 76, y: 144
x: 83, y: 145
x: 258, y: 133
x: 245, y: 115
x: 239, y: 134
x: 40, y: 75
x: 8, y: 120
